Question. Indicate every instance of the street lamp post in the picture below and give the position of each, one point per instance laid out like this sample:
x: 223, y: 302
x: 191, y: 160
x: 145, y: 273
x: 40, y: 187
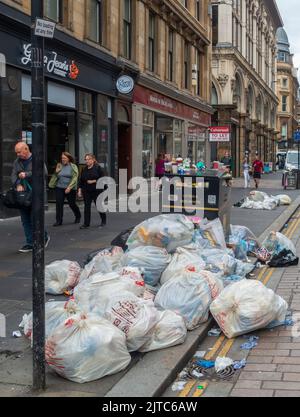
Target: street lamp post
x: 38, y: 175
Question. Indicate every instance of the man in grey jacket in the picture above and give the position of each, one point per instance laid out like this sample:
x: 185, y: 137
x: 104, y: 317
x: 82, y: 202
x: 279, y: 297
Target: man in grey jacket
x: 22, y: 176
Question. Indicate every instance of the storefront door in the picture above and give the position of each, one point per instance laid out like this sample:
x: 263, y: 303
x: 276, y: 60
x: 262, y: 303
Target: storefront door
x: 60, y: 137
x: 124, y: 148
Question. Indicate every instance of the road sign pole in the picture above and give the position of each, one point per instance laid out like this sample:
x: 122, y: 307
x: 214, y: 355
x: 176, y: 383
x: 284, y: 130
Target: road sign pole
x: 38, y: 136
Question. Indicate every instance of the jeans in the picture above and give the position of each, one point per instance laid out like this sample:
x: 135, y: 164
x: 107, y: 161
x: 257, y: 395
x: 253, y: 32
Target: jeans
x: 26, y: 218
x: 247, y: 179
x: 89, y: 197
x: 60, y: 198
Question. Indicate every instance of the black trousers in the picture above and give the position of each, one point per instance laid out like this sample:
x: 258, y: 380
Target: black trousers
x: 89, y: 197
x: 60, y: 198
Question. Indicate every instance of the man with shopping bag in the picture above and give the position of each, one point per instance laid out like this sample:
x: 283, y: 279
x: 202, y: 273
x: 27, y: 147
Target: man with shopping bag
x: 21, y: 179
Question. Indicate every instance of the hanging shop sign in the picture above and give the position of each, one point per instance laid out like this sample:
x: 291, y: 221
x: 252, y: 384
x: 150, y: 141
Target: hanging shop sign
x: 125, y: 84
x: 53, y: 63
x: 219, y: 134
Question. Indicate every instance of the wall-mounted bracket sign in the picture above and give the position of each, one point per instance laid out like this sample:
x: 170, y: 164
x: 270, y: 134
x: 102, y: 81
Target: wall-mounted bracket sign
x: 125, y: 84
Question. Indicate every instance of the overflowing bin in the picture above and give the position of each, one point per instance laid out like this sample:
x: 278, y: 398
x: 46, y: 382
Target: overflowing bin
x: 215, y: 198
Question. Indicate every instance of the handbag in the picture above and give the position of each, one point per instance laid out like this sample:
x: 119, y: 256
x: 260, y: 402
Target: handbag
x: 24, y: 198
x: 14, y: 199
x: 9, y: 199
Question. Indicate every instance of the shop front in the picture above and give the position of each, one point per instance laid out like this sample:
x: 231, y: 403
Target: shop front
x: 162, y: 125
x: 79, y: 101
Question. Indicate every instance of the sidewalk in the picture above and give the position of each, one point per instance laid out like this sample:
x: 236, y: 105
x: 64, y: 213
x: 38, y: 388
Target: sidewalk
x: 69, y: 242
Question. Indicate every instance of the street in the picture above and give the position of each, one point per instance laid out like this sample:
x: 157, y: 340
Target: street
x: 276, y: 355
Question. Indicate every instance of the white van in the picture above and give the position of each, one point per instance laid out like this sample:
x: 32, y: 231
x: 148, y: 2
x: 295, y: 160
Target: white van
x: 291, y: 161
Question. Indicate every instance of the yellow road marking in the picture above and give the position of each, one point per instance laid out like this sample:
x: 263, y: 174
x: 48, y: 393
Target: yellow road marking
x: 226, y: 348
x: 287, y: 231
x: 268, y: 276
x: 200, y: 391
x: 186, y: 390
x: 260, y: 275
x: 293, y: 229
x: 216, y: 346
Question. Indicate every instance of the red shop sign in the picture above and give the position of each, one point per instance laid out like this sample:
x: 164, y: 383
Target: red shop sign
x: 159, y: 102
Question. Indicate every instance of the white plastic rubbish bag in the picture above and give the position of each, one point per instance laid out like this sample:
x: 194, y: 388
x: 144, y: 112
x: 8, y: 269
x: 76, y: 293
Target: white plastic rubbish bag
x: 219, y: 261
x: 91, y: 294
x: 182, y: 258
x: 276, y: 242
x: 107, y: 260
x: 169, y: 331
x: 214, y: 232
x: 168, y: 231
x: 150, y: 259
x: 222, y: 363
x: 246, y: 306
x: 188, y: 295
x: 135, y: 275
x: 61, y: 276
x: 86, y: 348
x: 283, y: 199
x: 135, y: 317
x: 56, y: 312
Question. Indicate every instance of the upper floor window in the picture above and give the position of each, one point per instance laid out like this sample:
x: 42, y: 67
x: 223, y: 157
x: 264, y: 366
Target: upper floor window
x: 198, y: 9
x: 186, y: 65
x: 285, y: 82
x: 127, y: 21
x: 282, y: 56
x: 53, y: 9
x: 185, y: 3
x: 284, y: 103
x: 151, y: 43
x: 215, y: 25
x: 94, y: 20
x: 171, y: 56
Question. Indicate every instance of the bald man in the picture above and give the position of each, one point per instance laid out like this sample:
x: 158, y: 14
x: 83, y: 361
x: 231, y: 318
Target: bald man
x: 21, y: 179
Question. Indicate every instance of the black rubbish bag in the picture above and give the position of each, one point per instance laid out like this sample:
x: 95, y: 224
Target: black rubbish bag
x: 122, y: 238
x: 283, y: 259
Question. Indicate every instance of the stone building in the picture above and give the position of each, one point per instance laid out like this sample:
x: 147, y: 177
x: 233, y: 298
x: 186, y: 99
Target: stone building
x: 125, y: 79
x: 243, y: 77
x: 287, y: 88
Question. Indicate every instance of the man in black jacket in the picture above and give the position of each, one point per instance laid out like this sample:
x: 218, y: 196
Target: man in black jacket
x: 21, y: 178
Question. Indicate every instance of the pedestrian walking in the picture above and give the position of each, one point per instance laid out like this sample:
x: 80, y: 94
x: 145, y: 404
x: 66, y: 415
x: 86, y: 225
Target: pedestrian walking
x: 258, y: 167
x: 88, y: 188
x: 65, y: 181
x: 246, y: 171
x: 227, y: 161
x: 159, y: 166
x: 21, y: 179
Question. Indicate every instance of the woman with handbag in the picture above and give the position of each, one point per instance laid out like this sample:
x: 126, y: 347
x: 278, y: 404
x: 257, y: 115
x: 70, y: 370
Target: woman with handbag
x: 64, y: 180
x: 88, y: 188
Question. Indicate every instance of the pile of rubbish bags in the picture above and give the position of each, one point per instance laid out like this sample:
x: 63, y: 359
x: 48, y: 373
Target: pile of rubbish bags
x: 171, y: 276
x: 259, y: 200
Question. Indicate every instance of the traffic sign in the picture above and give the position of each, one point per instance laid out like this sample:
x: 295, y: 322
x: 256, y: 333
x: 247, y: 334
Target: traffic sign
x: 297, y: 136
x: 44, y: 28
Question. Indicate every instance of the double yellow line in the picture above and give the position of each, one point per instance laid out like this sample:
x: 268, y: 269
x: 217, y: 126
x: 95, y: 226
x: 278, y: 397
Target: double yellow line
x: 228, y: 344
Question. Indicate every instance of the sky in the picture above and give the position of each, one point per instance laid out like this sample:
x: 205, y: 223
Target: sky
x: 289, y: 10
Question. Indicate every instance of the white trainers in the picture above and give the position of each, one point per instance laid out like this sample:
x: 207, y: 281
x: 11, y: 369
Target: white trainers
x: 47, y: 241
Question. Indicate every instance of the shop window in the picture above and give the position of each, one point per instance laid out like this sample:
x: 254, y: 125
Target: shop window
x: 127, y: 22
x: 104, y: 131
x: 85, y: 104
x: 123, y: 115
x: 148, y: 118
x: 94, y: 20
x: 177, y: 138
x: 86, y: 136
x: 147, y: 154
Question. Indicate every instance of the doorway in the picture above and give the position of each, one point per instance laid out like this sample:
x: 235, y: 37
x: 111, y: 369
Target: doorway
x: 124, y: 148
x: 60, y: 138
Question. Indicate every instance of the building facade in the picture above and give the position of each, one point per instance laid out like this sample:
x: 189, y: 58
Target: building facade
x: 243, y: 77
x: 162, y: 49
x: 287, y: 88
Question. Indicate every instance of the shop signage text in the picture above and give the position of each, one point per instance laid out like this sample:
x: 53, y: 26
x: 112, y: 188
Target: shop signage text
x: 44, y: 28
x: 219, y: 134
x: 125, y: 84
x: 158, y: 102
x: 53, y: 64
